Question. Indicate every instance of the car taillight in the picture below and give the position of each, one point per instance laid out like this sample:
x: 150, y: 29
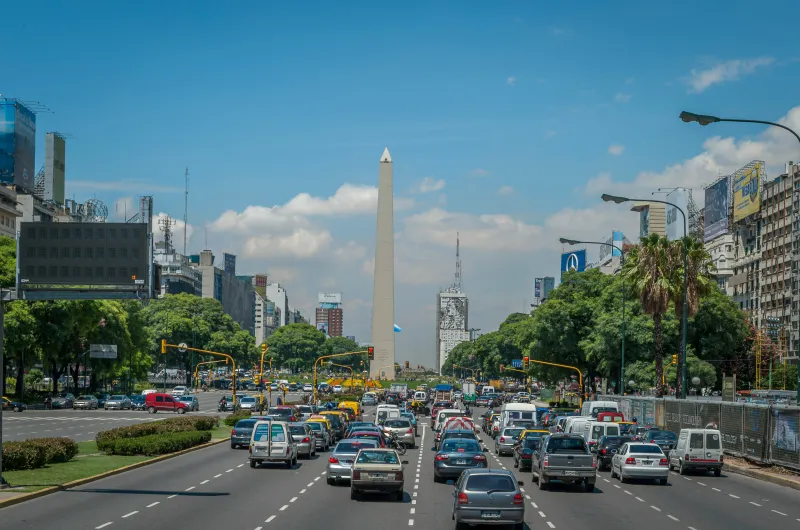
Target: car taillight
x: 306, y: 440
x: 462, y: 498
x: 398, y: 475
x: 518, y: 498
x: 410, y: 431
x: 603, y: 452
x: 594, y: 461
x: 233, y: 431
x: 356, y: 475
x: 442, y: 457
x: 333, y: 460
x: 502, y: 439
x: 546, y: 461
x: 479, y: 458
x: 663, y: 462
x: 630, y: 460
x: 720, y: 458
x: 495, y: 428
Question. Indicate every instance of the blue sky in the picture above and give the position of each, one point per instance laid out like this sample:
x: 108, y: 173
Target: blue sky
x: 529, y: 112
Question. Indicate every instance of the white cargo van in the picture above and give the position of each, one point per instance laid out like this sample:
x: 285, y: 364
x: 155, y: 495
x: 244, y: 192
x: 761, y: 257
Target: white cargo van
x: 697, y: 449
x: 594, y: 430
x: 568, y: 425
x: 593, y: 408
x: 488, y: 391
x: 386, y: 412
x: 271, y: 441
x: 517, y: 412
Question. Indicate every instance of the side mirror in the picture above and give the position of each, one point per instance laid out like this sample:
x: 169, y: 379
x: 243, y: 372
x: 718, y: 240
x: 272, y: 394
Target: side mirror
x: 520, y: 483
x: 485, y: 449
x: 405, y: 462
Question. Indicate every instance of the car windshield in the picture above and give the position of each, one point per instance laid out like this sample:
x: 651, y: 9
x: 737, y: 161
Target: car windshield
x: 616, y: 441
x: 460, y: 446
x: 567, y: 445
x: 353, y: 446
x: 297, y: 429
x: 184, y: 398
x: 117, y: 398
x: 377, y: 457
x: 531, y: 443
x: 315, y: 425
x: 248, y: 400
x: 245, y: 424
x: 305, y: 409
x: 397, y: 423
x: 512, y: 432
x: 84, y: 398
x: 645, y: 449
x: 490, y: 483
x: 280, y: 412
x: 662, y: 435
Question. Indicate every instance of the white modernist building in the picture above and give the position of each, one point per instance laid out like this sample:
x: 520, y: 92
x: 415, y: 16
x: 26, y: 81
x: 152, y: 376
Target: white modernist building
x: 452, y: 318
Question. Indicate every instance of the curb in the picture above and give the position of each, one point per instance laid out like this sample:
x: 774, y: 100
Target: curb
x: 81, y: 481
x: 758, y: 475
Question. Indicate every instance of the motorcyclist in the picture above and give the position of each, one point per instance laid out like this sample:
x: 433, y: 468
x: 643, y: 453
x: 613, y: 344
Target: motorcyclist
x: 223, y: 404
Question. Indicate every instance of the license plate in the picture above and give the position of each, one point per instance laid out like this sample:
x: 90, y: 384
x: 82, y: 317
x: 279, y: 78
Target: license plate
x: 378, y: 475
x: 261, y: 448
x: 648, y: 462
x: 461, y: 462
x: 490, y: 515
x: 570, y: 473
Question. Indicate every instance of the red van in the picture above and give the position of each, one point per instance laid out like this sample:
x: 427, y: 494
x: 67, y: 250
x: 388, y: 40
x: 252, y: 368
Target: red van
x: 160, y: 402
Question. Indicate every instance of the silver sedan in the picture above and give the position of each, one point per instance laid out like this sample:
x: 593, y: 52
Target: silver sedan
x: 118, y: 403
x: 403, y: 429
x: 636, y: 460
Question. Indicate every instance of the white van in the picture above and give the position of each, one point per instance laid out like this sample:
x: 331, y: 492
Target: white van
x: 592, y: 408
x: 271, y: 441
x: 697, y: 449
x: 594, y: 430
x: 443, y: 415
x: 420, y: 396
x: 487, y: 391
x: 386, y: 412
x: 571, y: 421
x: 579, y: 426
x: 517, y: 412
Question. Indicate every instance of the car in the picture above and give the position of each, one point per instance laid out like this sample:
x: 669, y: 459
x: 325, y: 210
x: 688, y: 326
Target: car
x: 636, y: 460
x: 273, y: 387
x: 666, y: 440
x: 403, y: 429
x: 377, y: 437
x: 523, y: 452
x: 85, y: 402
x: 137, y: 402
x: 504, y: 444
x: 337, y: 389
x: 101, y: 399
x: 248, y: 403
x: 607, y: 447
x: 463, y: 434
x: 180, y: 391
x: 377, y: 469
x: 117, y: 402
x: 292, y: 387
x: 161, y: 402
x: 192, y: 401
x: 64, y: 400
x: 413, y: 419
x: 322, y: 436
x: 272, y: 442
x: 456, y: 455
x: 308, y: 387
x: 242, y: 432
x: 306, y: 411
x: 340, y: 463
x: 287, y: 413
x: 369, y: 400
x: 490, y: 496
x: 16, y: 406
x: 304, y: 439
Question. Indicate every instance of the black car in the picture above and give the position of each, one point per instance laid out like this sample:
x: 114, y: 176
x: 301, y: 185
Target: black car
x: 523, y: 452
x: 607, y: 447
x: 137, y: 402
x: 666, y: 440
x: 101, y: 399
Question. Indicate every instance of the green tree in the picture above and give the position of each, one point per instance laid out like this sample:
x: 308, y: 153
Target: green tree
x: 296, y: 341
x: 8, y: 262
x: 21, y: 344
x: 338, y: 345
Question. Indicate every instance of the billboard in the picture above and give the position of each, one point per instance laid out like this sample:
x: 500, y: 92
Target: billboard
x: 644, y: 222
x: 746, y: 191
x: 261, y: 280
x: 83, y: 257
x: 680, y: 198
x: 573, y: 261
x: 716, y: 215
x: 323, y: 327
x: 329, y: 298
x: 230, y: 263
x: 537, y: 291
x: 55, y: 149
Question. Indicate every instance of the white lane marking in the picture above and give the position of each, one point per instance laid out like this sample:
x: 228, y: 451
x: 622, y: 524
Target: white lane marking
x: 779, y: 513
x: 258, y: 527
x: 102, y: 525
x: 542, y: 515
x: 527, y: 496
x: 416, y: 479
x: 617, y: 486
x: 270, y: 518
x: 302, y: 491
x: 129, y: 514
x: 628, y: 492
x: 416, y: 486
x: 309, y: 484
x: 535, y: 505
x: 413, y: 502
x: 656, y: 508
x: 755, y: 504
x: 716, y: 489
x: 205, y: 482
x: 283, y: 507
x: 639, y: 499
x: 412, y: 511
x: 293, y: 499
x: 732, y: 495
x: 190, y: 488
x: 411, y: 522
x: 522, y: 490
x: 172, y: 496
x: 228, y: 470
x: 673, y: 517
x: 153, y: 504
x: 316, y: 479
x: 701, y: 483
x: 686, y: 478
x: 606, y: 480
x: 692, y: 528
x: 217, y: 476
x: 551, y: 525
x: 323, y: 472
x: 240, y: 465
x: 415, y: 494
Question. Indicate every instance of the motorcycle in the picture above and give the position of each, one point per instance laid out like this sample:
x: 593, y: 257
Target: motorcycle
x: 395, y: 443
x: 205, y: 388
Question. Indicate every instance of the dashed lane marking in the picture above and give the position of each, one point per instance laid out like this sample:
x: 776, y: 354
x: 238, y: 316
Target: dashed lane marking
x: 701, y: 483
x: 129, y: 514
x: 779, y: 513
x: 673, y: 517
x: 190, y: 488
x: 316, y: 479
x: 258, y: 528
x: 240, y: 465
x: 270, y: 518
x: 716, y: 489
x: 293, y: 499
x: 303, y: 491
x: 217, y: 476
x: 309, y: 484
x: 172, y: 496
x: 228, y: 470
x: 412, y: 511
x: 755, y: 504
x: 639, y: 499
x: 152, y: 504
x: 535, y: 505
x: 551, y: 525
x: 103, y: 525
x: 732, y: 495
x: 205, y: 482
x: 283, y: 507
x: 656, y: 508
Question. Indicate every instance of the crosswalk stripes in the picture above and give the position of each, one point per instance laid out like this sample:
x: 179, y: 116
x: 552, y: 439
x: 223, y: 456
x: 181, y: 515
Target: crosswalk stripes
x: 10, y: 418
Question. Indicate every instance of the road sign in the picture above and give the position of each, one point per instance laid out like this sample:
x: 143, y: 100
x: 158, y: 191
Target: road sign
x: 516, y: 363
x: 182, y: 347
x: 103, y: 351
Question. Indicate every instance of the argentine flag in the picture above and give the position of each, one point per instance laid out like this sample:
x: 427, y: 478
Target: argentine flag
x: 397, y: 329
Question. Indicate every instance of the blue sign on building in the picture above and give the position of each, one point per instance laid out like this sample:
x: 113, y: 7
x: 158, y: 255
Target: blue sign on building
x: 516, y: 363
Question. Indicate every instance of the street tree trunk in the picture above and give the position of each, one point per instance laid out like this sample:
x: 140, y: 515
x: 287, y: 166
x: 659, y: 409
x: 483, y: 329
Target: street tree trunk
x: 659, y: 354
x: 681, y: 360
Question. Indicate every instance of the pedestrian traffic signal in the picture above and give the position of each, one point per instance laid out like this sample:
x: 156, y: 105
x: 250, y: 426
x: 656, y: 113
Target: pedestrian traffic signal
x: 525, y: 361
x: 675, y: 358
x: 406, y: 365
x: 371, y: 353
x: 164, y: 346
x: 264, y: 348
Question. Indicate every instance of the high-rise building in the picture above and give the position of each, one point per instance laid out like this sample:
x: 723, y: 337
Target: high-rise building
x: 652, y: 218
x: 329, y: 317
x: 277, y: 294
x: 452, y: 316
x: 541, y: 290
x: 235, y: 294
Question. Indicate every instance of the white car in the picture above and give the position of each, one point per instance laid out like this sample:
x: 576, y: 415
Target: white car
x: 180, y: 391
x: 308, y: 387
x: 248, y: 403
x: 337, y: 389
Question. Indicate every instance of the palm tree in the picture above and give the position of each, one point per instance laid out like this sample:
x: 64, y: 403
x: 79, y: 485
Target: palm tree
x: 699, y: 282
x: 649, y: 268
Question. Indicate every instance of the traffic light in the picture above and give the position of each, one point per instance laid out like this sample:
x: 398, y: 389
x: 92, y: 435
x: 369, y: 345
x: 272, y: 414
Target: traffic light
x: 371, y: 353
x: 502, y: 368
x: 406, y: 365
x: 264, y: 348
x: 164, y: 346
x: 674, y: 358
x: 525, y: 362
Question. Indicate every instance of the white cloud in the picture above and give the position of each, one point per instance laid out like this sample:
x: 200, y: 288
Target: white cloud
x: 124, y: 209
x: 442, y: 199
x: 512, y: 81
x: 505, y: 190
x: 622, y: 98
x: 351, y: 251
x: 732, y: 70
x: 299, y: 243
x: 281, y: 274
x: 479, y: 172
x: 176, y: 230
x: 429, y: 184
x: 616, y: 149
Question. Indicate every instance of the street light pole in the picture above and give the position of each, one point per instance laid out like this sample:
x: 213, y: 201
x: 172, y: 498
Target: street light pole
x: 622, y: 262
x: 705, y: 119
x: 620, y: 200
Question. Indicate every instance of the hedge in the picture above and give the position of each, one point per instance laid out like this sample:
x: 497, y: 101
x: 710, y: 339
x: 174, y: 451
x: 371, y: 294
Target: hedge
x: 105, y: 439
x: 55, y: 449
x: 231, y: 420
x: 23, y: 455
x: 157, y: 444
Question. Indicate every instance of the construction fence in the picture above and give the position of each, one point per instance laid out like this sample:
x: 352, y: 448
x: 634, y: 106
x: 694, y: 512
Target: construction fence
x: 763, y: 433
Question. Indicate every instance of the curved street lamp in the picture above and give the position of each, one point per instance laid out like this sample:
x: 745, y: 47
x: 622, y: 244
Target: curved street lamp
x: 619, y: 200
x: 565, y: 241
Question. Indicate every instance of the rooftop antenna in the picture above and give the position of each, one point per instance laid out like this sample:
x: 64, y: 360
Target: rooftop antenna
x: 165, y: 223
x: 206, y: 245
x: 186, y: 210
x: 457, y: 282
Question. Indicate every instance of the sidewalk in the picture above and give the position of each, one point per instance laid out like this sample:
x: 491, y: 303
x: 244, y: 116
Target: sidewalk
x: 774, y: 474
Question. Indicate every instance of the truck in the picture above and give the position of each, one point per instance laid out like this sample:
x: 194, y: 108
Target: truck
x: 564, y: 457
x: 470, y: 394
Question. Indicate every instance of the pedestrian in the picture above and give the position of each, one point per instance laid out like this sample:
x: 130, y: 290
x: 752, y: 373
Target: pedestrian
x: 280, y: 401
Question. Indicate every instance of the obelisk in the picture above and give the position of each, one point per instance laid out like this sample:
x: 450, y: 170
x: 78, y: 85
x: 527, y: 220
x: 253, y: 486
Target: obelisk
x: 383, y: 290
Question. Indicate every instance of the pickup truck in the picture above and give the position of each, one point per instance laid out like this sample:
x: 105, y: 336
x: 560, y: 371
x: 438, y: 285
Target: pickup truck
x: 564, y: 457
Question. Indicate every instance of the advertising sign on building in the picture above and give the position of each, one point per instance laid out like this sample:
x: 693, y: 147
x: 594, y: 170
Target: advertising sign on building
x: 54, y: 167
x: 17, y: 143
x: 230, y: 263
x: 680, y: 198
x: 716, y: 215
x: 573, y: 261
x: 323, y: 327
x: 746, y: 191
x: 261, y: 280
x: 644, y: 222
x: 537, y: 291
x: 329, y: 298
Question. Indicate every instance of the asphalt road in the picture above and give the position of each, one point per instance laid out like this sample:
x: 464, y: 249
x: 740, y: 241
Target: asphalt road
x: 83, y: 425
x: 214, y: 488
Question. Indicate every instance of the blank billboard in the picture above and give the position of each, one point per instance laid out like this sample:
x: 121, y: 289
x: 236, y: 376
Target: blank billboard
x: 716, y: 214
x: 73, y: 256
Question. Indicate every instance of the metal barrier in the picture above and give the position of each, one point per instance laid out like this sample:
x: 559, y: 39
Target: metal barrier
x: 763, y: 433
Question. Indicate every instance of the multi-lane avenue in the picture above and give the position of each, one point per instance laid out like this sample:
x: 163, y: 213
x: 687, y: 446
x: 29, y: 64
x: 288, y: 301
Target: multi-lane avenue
x: 214, y: 488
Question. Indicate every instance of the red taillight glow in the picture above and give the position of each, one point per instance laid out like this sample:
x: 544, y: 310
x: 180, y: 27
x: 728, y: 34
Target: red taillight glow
x: 663, y: 462
x: 546, y: 461
x: 356, y: 475
x: 594, y: 461
x: 333, y: 460
x: 630, y: 460
x: 462, y: 498
x: 479, y: 458
x: 603, y: 452
x: 305, y: 440
x: 233, y: 431
x: 526, y: 456
x: 518, y: 498
x: 410, y: 431
x: 502, y: 439
x: 441, y: 457
x: 461, y: 450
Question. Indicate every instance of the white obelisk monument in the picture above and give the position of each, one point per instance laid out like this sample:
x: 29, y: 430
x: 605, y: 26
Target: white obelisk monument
x: 383, y: 291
